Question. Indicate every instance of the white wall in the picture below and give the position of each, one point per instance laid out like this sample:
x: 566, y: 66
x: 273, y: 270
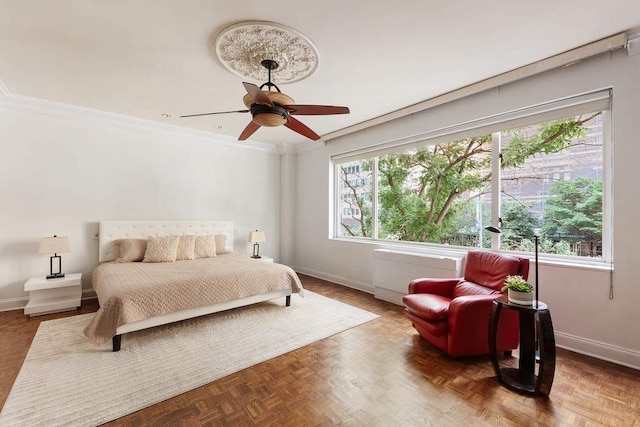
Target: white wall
x: 584, y: 317
x: 64, y: 169
x: 287, y: 211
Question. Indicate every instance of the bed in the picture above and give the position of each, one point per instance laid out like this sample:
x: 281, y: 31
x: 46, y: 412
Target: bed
x: 140, y: 295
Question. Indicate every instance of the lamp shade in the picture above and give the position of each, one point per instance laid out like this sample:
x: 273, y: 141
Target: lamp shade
x: 54, y: 245
x: 256, y: 236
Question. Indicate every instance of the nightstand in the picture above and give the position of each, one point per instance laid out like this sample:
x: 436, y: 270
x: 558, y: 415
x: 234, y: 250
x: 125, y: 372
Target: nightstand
x: 53, y: 295
x: 264, y: 258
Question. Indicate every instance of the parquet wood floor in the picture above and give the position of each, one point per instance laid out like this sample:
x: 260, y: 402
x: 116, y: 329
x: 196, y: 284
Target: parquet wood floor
x: 378, y: 374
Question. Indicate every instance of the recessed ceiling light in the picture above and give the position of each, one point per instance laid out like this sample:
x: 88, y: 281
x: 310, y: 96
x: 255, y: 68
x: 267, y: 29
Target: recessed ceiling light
x: 166, y: 116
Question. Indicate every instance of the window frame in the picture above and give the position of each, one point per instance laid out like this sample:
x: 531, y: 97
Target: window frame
x: 600, y: 100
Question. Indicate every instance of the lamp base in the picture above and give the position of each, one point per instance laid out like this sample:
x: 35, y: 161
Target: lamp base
x: 256, y: 251
x: 59, y: 274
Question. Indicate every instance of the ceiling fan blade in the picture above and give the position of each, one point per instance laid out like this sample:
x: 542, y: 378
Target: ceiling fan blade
x: 297, y: 126
x: 316, y: 110
x: 248, y: 131
x: 219, y: 112
x: 258, y: 96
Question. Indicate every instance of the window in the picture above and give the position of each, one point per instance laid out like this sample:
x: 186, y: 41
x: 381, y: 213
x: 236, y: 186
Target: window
x: 434, y: 194
x: 354, y: 191
x: 534, y: 174
x: 565, y: 211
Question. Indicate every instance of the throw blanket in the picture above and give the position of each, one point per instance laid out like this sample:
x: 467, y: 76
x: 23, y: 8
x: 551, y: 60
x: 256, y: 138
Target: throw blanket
x: 134, y: 291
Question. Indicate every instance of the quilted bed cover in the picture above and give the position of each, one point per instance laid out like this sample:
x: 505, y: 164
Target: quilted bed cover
x: 129, y: 292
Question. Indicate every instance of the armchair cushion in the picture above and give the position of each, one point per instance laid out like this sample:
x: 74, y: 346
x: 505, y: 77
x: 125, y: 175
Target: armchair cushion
x: 437, y: 329
x: 427, y: 306
x: 470, y: 288
x: 490, y: 268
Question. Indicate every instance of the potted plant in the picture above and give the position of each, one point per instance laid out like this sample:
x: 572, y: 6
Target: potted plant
x: 520, y: 292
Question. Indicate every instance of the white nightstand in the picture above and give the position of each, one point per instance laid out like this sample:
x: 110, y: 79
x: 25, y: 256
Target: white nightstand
x: 53, y: 295
x: 264, y: 258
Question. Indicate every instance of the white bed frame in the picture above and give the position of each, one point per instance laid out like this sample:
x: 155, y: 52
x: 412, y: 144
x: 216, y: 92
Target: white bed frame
x: 108, y: 251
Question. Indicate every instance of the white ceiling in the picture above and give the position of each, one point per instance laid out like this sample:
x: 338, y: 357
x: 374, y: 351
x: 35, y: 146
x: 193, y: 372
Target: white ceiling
x: 144, y: 58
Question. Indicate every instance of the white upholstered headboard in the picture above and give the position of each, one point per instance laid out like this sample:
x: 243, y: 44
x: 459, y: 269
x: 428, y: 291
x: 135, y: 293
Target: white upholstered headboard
x: 114, y: 230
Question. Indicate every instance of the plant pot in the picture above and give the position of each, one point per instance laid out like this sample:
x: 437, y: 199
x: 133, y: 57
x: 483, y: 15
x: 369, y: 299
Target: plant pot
x: 522, y: 298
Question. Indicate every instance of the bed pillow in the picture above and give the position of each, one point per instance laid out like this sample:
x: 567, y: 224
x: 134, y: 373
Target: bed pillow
x: 205, y: 246
x: 131, y: 250
x: 221, y: 243
x: 161, y: 249
x: 186, y: 248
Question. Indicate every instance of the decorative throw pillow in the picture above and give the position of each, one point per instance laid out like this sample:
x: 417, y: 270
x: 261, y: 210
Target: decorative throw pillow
x: 205, y: 246
x: 131, y: 250
x: 221, y: 243
x: 186, y: 248
x: 161, y: 249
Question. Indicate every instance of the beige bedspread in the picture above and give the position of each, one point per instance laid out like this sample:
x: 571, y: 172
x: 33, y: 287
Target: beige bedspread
x: 134, y: 291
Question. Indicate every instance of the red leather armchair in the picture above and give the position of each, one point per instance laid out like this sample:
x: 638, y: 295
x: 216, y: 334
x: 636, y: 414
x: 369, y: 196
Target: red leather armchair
x: 453, y: 314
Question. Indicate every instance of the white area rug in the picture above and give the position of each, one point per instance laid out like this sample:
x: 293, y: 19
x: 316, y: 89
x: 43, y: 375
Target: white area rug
x: 66, y: 380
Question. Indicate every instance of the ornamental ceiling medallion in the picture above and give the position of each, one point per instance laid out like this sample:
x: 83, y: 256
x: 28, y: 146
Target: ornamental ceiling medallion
x: 242, y: 46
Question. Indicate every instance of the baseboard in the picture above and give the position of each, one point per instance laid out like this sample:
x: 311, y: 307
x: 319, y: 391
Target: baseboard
x: 365, y: 287
x: 9, y: 304
x: 599, y: 350
x: 88, y: 294
x: 389, y: 295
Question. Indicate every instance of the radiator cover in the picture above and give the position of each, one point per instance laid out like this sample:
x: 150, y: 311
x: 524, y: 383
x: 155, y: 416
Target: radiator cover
x: 393, y: 270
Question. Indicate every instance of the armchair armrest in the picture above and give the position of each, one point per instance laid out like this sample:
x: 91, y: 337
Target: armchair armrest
x: 468, y: 323
x: 442, y: 287
x: 469, y: 308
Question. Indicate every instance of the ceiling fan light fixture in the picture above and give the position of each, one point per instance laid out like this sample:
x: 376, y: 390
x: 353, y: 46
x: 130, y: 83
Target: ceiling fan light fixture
x: 269, y: 115
x: 269, y: 119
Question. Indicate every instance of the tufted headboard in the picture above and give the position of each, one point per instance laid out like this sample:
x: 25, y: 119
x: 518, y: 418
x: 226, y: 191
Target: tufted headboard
x: 114, y: 230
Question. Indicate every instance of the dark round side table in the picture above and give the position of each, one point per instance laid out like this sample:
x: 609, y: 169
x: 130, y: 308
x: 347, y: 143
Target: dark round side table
x: 535, y: 321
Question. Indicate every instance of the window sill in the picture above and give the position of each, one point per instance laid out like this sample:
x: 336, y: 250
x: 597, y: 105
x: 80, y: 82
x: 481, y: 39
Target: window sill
x: 442, y: 250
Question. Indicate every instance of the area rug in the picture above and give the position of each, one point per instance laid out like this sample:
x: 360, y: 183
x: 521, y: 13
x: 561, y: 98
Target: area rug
x: 66, y: 380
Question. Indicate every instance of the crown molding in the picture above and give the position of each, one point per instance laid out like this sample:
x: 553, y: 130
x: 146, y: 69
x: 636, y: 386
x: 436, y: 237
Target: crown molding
x: 66, y: 110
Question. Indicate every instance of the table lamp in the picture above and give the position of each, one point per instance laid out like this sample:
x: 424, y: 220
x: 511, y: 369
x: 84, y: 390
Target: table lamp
x: 54, y: 245
x: 256, y: 237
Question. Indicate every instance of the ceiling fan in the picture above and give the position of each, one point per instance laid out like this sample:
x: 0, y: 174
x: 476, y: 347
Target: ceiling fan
x: 270, y: 108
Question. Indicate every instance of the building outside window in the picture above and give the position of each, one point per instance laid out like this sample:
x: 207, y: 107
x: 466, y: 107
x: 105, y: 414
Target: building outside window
x: 355, y: 191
